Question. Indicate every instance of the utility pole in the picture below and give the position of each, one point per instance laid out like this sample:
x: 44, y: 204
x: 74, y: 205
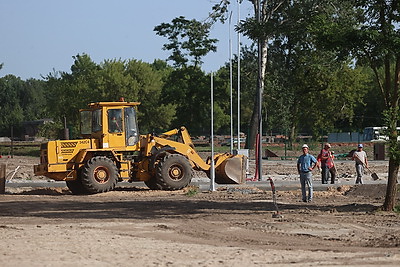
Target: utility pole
x: 212, y: 167
x: 260, y: 89
x: 238, y: 79
x: 231, y: 78
x: 12, y: 141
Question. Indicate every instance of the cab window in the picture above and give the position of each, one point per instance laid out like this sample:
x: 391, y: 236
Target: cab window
x: 115, y: 121
x: 96, y: 120
x: 132, y: 133
x: 86, y: 122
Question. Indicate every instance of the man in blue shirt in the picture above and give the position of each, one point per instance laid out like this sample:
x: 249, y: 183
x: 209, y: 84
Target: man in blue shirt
x: 305, y: 164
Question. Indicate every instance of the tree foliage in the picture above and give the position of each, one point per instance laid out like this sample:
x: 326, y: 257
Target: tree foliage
x: 372, y: 36
x: 21, y: 101
x: 108, y: 81
x: 323, y: 63
x: 304, y: 79
x: 188, y: 39
x: 312, y: 81
x: 189, y: 90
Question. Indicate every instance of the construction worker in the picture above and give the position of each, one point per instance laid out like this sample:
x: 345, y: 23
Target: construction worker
x: 114, y: 125
x: 360, y: 158
x: 327, y: 164
x: 305, y: 164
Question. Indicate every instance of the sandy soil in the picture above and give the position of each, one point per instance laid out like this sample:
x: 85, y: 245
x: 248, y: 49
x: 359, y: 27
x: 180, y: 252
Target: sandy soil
x: 235, y: 226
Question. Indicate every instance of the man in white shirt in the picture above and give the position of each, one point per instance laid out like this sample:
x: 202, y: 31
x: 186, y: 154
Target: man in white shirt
x: 360, y: 158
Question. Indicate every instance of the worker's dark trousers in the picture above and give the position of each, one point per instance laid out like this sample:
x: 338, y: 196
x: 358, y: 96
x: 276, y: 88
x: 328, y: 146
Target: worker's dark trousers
x: 325, y: 174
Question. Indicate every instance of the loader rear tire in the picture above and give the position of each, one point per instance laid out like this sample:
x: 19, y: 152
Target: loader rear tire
x: 173, y: 172
x: 76, y: 187
x: 99, y: 175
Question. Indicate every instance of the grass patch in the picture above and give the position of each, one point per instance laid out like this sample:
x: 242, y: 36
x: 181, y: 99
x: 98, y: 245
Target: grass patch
x: 192, y: 191
x: 20, y: 150
x: 217, y: 149
x: 397, y: 208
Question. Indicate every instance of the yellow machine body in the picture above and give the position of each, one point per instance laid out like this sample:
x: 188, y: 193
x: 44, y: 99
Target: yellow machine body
x: 111, y: 149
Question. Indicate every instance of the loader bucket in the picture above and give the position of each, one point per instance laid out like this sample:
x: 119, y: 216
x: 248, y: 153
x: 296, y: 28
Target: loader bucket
x: 231, y: 170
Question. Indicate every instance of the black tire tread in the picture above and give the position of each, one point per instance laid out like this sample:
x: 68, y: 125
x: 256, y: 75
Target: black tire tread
x: 87, y: 181
x: 152, y: 184
x: 76, y: 187
x: 166, y: 182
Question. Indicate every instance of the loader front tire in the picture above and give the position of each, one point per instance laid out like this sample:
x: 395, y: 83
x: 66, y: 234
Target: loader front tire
x: 76, y: 187
x: 152, y: 184
x: 173, y: 172
x: 99, y: 175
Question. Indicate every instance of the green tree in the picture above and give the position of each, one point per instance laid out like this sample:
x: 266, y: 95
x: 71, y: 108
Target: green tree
x: 32, y: 100
x: 21, y: 101
x: 108, y: 81
x: 248, y: 64
x: 188, y: 39
x: 371, y: 35
x: 153, y: 114
x: 11, y: 112
x: 69, y: 92
x: 189, y: 90
x: 261, y: 28
x: 369, y: 112
x: 302, y: 80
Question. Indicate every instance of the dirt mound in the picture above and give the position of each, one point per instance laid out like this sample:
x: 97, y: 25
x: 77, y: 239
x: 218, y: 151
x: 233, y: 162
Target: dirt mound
x: 387, y: 240
x: 371, y: 191
x: 228, y: 227
x: 39, y: 191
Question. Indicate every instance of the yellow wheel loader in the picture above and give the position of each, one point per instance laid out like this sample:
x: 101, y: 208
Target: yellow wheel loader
x: 111, y: 150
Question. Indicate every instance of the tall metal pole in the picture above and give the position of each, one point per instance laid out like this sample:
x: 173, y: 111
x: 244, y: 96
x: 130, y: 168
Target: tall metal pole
x: 238, y: 78
x: 260, y: 89
x: 12, y: 142
x: 212, y: 168
x: 231, y: 77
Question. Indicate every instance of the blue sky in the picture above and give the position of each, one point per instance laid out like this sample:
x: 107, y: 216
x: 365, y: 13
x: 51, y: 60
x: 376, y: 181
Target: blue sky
x: 42, y: 35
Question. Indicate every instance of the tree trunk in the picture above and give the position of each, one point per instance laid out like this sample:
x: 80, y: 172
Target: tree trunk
x: 255, y: 117
x: 251, y: 139
x: 391, y: 189
x: 254, y: 124
x: 394, y: 161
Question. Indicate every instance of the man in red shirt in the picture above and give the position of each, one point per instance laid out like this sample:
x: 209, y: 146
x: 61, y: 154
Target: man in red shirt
x: 327, y: 164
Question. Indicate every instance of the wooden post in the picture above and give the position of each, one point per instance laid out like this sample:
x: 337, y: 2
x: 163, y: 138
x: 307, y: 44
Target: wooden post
x: 2, y: 178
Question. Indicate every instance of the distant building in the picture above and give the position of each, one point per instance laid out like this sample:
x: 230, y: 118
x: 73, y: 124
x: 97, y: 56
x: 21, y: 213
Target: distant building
x: 376, y: 134
x: 370, y: 134
x: 31, y: 128
x: 347, y: 137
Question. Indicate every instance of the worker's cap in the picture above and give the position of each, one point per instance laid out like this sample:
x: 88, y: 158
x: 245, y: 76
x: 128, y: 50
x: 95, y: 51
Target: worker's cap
x: 304, y: 146
x: 360, y: 145
x: 327, y: 145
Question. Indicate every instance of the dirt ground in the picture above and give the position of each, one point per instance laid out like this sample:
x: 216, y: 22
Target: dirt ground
x: 233, y: 226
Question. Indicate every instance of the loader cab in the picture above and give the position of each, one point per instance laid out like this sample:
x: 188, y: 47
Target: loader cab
x: 114, y: 124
